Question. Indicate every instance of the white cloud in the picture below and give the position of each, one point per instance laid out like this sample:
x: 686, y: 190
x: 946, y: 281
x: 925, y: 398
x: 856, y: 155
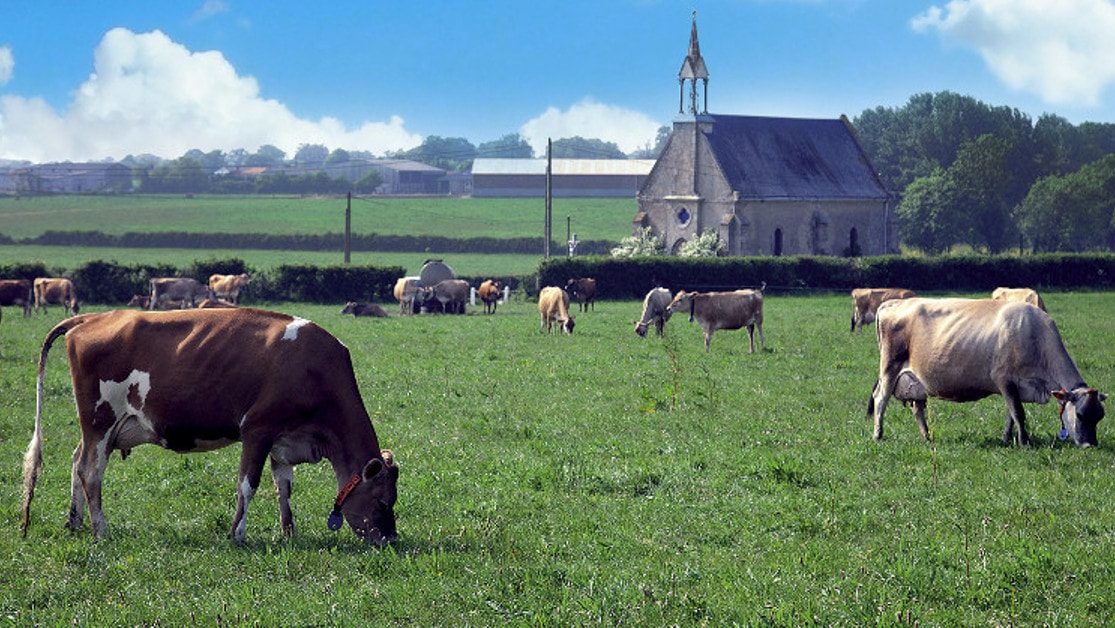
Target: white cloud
x: 148, y: 94
x: 208, y: 9
x: 7, y: 64
x: 1058, y: 49
x: 630, y: 130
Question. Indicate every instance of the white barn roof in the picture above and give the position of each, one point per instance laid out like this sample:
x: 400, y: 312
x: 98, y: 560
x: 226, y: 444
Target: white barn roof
x: 563, y: 167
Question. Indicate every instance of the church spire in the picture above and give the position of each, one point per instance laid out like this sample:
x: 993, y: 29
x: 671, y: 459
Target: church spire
x: 693, y: 69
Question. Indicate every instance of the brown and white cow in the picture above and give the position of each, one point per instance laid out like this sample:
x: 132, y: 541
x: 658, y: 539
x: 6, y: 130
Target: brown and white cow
x: 489, y: 292
x: 16, y: 292
x: 723, y: 310
x: 56, y: 291
x: 187, y: 290
x: 553, y: 305
x: 358, y: 309
x: 228, y: 287
x: 406, y: 291
x: 1022, y: 295
x: 196, y: 380
x: 968, y: 349
x: 866, y: 301
x: 583, y: 291
x: 655, y: 310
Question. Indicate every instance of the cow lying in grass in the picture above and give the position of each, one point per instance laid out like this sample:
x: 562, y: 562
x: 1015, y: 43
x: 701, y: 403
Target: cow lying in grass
x: 358, y: 309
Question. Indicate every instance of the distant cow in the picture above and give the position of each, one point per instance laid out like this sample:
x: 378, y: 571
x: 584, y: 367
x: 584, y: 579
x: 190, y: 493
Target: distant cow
x: 655, y: 310
x: 140, y: 300
x: 363, y: 309
x: 197, y: 380
x: 866, y: 301
x: 185, y: 289
x: 490, y: 292
x: 583, y: 292
x: 723, y: 310
x: 553, y: 305
x: 56, y: 291
x: 968, y: 349
x: 16, y: 292
x: 210, y: 303
x: 406, y: 291
x: 1021, y: 295
x: 228, y: 287
x: 452, y: 294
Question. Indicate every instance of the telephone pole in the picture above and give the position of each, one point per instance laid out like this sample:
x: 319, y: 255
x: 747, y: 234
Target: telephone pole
x: 348, y: 229
x: 549, y: 228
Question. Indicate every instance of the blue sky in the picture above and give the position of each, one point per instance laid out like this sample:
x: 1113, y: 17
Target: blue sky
x: 105, y: 79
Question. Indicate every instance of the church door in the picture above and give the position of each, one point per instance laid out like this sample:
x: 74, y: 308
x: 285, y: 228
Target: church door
x: 778, y: 242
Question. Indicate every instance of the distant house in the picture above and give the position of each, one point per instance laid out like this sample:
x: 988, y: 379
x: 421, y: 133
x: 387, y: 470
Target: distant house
x: 570, y: 177
x: 400, y: 176
x: 766, y: 186
x: 68, y: 178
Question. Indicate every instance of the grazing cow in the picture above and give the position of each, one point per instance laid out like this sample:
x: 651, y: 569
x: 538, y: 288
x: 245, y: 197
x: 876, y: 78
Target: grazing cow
x: 452, y: 294
x: 363, y: 309
x: 723, y: 310
x: 185, y: 289
x: 583, y: 291
x: 490, y: 292
x: 866, y: 301
x: 228, y: 287
x: 968, y: 349
x: 1022, y: 295
x: 197, y: 380
x: 553, y: 305
x: 655, y: 311
x: 140, y: 300
x: 56, y: 291
x: 209, y: 303
x: 17, y: 292
x: 406, y: 291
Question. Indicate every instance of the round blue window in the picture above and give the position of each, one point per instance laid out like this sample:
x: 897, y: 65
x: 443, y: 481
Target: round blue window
x: 684, y: 216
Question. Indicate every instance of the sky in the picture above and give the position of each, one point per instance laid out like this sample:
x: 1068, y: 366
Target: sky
x: 102, y: 80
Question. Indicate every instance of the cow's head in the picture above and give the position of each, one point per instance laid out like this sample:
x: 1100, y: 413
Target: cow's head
x: 370, y: 507
x: 1081, y: 409
x: 641, y: 329
x: 567, y: 325
x: 682, y: 301
x: 349, y: 308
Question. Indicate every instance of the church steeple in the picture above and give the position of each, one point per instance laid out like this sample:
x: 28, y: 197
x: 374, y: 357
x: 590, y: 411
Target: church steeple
x: 693, y: 69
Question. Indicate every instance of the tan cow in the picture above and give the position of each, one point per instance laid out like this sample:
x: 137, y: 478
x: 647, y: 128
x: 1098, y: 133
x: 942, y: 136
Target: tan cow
x: 723, y: 310
x: 17, y: 292
x: 553, y: 305
x: 1021, y: 295
x: 406, y: 290
x: 583, y: 291
x: 140, y: 300
x: 452, y: 294
x: 655, y: 310
x: 228, y: 287
x: 56, y: 291
x: 197, y: 380
x: 968, y: 349
x: 866, y: 301
x: 210, y: 303
x: 489, y: 292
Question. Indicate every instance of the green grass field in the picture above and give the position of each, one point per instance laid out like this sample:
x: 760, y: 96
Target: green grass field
x: 597, y: 478
x: 592, y: 218
x: 70, y: 257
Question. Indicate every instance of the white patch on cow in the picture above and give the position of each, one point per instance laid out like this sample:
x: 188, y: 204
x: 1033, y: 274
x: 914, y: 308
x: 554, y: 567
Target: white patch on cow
x: 246, y: 493
x: 292, y: 328
x: 115, y: 394
x: 242, y: 419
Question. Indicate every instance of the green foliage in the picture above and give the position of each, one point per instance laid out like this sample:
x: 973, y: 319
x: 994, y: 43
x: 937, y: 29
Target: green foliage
x: 368, y: 183
x: 706, y: 244
x: 578, y: 147
x: 511, y: 146
x: 1073, y: 212
x: 454, y: 154
x: 981, y: 176
x: 928, y: 214
x: 642, y: 244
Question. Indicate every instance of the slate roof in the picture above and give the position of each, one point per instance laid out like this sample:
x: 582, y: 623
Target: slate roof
x: 792, y: 158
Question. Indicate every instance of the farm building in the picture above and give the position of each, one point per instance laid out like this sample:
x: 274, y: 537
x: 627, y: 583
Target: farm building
x: 571, y: 177
x: 68, y: 178
x: 766, y: 186
x: 400, y: 176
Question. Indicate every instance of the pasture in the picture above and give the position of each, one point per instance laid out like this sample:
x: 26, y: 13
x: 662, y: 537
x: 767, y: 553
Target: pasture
x: 595, y: 478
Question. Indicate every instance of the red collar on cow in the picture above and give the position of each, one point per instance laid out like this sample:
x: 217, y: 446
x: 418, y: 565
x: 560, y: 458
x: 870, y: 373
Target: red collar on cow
x: 336, y: 520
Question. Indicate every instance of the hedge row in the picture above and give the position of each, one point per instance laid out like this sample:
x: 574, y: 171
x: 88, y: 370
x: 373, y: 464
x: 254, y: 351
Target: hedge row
x: 632, y: 278
x: 113, y: 283
x: 320, y: 242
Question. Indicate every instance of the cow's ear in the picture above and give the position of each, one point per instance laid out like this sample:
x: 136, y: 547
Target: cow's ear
x: 372, y: 469
x: 1061, y: 394
x: 388, y: 457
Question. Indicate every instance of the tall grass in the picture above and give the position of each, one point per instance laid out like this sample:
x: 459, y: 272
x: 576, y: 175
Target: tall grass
x: 596, y: 478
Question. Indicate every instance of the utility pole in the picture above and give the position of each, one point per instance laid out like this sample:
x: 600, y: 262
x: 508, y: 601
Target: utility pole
x: 549, y: 228
x: 348, y: 229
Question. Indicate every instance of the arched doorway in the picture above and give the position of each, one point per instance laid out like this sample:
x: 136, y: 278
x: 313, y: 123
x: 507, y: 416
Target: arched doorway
x: 676, y: 248
x: 777, y: 241
x: 853, y: 244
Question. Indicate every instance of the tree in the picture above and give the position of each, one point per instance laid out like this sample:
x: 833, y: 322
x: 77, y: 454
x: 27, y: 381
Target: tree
x: 338, y: 156
x: 578, y: 147
x: 1073, y: 212
x: 927, y: 214
x: 448, y: 153
x: 983, y: 179
x: 511, y: 146
x: 368, y: 183
x: 267, y: 155
x: 311, y: 154
x: 650, y: 152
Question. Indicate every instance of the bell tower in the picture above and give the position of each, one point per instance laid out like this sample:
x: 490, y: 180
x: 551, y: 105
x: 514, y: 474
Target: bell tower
x: 692, y: 70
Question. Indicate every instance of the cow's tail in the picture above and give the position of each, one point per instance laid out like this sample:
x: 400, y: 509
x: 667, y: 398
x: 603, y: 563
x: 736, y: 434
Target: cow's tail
x: 33, y: 459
